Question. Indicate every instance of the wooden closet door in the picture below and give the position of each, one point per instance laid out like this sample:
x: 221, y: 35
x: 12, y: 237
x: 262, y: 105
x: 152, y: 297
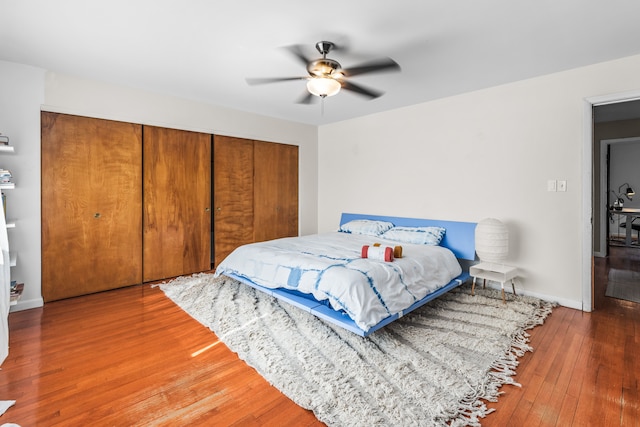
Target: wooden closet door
x: 275, y: 191
x: 232, y: 194
x: 177, y: 202
x: 91, y: 205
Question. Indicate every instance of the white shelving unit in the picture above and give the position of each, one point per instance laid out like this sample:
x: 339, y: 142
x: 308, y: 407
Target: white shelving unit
x: 16, y: 293
x: 6, y: 296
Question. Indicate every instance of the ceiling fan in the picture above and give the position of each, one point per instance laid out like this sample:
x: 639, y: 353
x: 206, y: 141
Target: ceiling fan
x: 327, y: 77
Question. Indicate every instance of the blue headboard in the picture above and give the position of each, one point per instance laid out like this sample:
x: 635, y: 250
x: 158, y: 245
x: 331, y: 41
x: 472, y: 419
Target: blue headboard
x: 459, y: 237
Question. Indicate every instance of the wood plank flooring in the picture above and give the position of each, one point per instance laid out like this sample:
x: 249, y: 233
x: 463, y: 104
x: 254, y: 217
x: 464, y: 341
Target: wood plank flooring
x: 585, y: 368
x: 130, y: 357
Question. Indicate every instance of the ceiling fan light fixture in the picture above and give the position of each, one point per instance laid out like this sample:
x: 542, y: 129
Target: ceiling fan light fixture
x: 323, y: 86
x: 323, y: 67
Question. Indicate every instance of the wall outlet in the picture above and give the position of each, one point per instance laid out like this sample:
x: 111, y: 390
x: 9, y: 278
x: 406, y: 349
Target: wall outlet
x: 562, y: 185
x: 552, y: 185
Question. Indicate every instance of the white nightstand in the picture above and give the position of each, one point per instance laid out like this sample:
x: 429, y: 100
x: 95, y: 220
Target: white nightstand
x: 496, y: 272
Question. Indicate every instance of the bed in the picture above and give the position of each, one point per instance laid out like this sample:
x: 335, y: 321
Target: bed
x: 343, y: 278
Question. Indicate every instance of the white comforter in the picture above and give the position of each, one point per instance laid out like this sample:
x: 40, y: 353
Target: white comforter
x: 329, y: 267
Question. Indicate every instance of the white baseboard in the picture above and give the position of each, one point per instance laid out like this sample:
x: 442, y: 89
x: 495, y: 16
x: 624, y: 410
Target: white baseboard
x: 27, y: 304
x: 577, y: 305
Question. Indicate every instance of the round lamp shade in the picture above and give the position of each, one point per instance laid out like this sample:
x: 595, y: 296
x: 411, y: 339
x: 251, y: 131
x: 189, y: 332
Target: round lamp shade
x: 492, y: 240
x: 323, y: 86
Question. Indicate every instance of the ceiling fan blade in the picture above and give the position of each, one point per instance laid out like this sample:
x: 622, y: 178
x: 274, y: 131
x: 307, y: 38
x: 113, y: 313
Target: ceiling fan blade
x: 379, y: 65
x: 360, y: 89
x: 296, y: 50
x: 265, y: 80
x: 307, y: 98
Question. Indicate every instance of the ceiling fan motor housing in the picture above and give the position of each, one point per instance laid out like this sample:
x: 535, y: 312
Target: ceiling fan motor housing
x: 324, y: 67
x: 324, y: 47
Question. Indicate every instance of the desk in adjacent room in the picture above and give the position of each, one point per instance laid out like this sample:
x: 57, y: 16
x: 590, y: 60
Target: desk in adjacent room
x: 630, y: 215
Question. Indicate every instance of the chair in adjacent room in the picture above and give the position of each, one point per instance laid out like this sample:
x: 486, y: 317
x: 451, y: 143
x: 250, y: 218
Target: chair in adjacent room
x: 634, y: 226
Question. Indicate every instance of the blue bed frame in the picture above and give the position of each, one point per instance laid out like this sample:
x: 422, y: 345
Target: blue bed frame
x: 459, y: 238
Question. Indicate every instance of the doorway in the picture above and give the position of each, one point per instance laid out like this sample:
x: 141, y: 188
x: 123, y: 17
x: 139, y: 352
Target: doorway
x: 609, y: 120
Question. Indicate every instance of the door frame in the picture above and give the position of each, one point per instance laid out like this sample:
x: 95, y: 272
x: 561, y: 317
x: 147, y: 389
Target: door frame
x: 587, y: 187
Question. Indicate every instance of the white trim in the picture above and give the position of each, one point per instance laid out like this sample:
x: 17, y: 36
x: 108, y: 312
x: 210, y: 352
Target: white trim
x: 27, y: 304
x: 575, y: 304
x: 587, y: 203
x: 613, y: 98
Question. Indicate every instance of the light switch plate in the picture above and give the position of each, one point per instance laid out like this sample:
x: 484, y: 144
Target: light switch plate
x: 552, y: 185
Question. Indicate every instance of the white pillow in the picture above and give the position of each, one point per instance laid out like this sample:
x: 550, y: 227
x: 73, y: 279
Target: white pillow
x: 366, y: 226
x: 417, y: 235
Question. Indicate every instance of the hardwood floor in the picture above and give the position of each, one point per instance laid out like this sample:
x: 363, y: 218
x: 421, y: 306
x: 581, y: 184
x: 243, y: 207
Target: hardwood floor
x: 585, y: 367
x: 131, y: 357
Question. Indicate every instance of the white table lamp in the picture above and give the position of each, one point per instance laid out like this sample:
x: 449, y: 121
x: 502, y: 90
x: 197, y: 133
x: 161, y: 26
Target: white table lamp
x: 492, y: 240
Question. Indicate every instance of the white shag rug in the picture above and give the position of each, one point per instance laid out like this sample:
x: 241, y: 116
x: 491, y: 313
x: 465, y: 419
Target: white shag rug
x: 435, y: 366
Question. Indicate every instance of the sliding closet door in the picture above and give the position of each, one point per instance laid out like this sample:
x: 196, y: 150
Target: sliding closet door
x: 276, y: 191
x: 233, y: 194
x: 91, y: 205
x: 177, y: 201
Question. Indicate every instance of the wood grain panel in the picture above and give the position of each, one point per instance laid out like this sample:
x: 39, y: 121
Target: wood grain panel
x: 233, y: 194
x: 276, y: 191
x: 177, y: 203
x: 91, y: 205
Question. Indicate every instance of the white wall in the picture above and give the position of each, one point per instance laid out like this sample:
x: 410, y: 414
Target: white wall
x: 24, y: 91
x: 624, y: 161
x: 21, y: 94
x: 483, y: 154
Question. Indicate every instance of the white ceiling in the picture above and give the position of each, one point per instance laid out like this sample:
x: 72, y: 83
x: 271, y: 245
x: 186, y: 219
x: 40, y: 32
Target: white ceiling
x: 204, y: 49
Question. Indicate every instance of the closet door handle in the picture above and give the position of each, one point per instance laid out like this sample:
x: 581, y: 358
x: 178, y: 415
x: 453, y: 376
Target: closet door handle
x: 207, y: 209
x: 97, y: 215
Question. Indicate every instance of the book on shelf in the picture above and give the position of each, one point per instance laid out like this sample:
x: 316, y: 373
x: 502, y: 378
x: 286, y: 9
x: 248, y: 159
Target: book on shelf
x: 5, y: 176
x: 16, y: 291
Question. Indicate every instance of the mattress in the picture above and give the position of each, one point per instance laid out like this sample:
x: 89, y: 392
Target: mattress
x: 329, y: 267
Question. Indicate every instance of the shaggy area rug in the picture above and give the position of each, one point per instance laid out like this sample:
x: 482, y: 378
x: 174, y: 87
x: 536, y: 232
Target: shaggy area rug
x: 435, y: 366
